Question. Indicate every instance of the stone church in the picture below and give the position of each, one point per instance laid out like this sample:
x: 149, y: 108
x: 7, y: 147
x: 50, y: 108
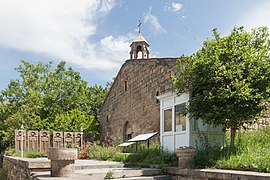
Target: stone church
x: 131, y: 106
x: 141, y: 100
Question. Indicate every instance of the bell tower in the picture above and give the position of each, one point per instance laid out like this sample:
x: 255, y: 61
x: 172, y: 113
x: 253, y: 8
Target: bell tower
x: 139, y: 44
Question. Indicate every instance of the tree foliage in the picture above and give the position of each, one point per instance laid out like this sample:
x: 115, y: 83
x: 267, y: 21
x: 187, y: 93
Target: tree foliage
x: 229, y: 78
x: 47, y: 98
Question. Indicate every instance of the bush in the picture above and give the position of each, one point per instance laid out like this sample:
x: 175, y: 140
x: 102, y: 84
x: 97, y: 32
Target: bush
x: 98, y: 152
x: 27, y: 154
x: 120, y: 157
x: 35, y: 154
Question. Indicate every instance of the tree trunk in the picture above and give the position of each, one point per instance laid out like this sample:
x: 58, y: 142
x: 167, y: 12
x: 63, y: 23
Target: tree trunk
x: 239, y: 136
x: 233, y: 131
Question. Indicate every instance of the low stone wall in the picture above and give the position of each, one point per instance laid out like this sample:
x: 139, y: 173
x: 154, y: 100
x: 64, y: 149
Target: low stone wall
x: 21, y: 168
x: 215, y: 174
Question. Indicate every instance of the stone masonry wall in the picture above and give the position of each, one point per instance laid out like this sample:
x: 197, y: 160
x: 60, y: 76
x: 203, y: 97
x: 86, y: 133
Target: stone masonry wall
x: 132, y: 98
x: 21, y: 168
x: 16, y: 170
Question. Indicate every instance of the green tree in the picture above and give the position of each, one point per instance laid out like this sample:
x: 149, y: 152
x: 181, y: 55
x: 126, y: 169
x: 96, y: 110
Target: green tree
x: 229, y: 78
x: 49, y: 98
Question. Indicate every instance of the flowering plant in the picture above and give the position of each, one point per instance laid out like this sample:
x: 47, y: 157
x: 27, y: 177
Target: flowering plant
x: 84, y: 151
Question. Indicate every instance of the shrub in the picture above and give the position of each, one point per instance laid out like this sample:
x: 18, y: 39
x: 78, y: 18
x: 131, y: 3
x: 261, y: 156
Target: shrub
x: 35, y: 154
x: 98, y: 152
x: 27, y: 154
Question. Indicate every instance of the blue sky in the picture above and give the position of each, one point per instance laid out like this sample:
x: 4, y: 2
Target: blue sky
x: 93, y: 36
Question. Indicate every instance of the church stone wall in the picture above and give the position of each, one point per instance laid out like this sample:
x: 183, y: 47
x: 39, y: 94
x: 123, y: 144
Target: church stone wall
x: 132, y: 98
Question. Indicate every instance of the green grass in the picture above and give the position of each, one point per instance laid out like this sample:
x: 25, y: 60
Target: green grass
x: 252, y: 153
x: 142, y: 157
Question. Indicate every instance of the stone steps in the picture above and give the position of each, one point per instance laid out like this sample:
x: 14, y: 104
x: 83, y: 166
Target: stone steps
x: 97, y: 170
x: 92, y: 164
x: 157, y: 177
x: 116, y: 170
x: 113, y: 173
x: 123, y: 172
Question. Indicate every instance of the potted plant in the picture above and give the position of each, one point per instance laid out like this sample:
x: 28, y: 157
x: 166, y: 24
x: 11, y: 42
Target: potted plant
x: 186, y: 156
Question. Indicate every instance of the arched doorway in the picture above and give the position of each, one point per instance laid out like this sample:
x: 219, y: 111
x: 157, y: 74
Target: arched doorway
x: 127, y: 133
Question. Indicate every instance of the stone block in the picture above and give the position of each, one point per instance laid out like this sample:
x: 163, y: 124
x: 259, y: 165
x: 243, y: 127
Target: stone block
x: 57, y: 139
x: 20, y: 136
x: 44, y: 141
x: 32, y: 140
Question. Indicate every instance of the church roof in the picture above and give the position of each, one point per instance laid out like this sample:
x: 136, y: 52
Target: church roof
x: 139, y: 38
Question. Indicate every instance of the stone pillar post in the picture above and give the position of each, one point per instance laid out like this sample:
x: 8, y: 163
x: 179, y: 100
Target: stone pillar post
x: 186, y: 157
x: 62, y: 161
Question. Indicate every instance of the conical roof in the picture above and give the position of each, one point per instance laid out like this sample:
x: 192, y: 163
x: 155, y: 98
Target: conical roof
x: 139, y: 38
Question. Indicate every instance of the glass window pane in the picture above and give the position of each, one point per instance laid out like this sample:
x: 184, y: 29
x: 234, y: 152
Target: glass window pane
x: 167, y: 120
x: 179, y: 118
x: 200, y: 126
x: 195, y: 125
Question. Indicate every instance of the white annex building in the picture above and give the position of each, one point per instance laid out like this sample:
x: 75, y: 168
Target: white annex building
x: 177, y: 130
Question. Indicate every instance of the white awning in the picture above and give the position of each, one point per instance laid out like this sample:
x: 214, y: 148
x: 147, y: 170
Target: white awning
x: 126, y: 144
x: 142, y: 137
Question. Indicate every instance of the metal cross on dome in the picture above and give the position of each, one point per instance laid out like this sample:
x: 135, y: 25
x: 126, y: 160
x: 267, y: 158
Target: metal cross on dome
x: 139, y: 26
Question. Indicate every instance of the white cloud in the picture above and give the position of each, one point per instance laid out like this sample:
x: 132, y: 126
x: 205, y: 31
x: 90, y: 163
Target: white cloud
x: 116, y: 46
x: 257, y: 16
x: 155, y: 26
x: 173, y: 7
x: 176, y: 7
x: 106, y: 5
x: 61, y: 29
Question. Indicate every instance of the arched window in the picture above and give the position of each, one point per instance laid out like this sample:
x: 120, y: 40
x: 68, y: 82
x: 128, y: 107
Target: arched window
x: 157, y: 94
x: 107, y: 118
x: 139, y: 52
x: 127, y: 133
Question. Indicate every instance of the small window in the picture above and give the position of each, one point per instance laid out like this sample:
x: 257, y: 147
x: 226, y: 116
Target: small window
x: 107, y: 118
x: 157, y: 94
x: 126, y: 86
